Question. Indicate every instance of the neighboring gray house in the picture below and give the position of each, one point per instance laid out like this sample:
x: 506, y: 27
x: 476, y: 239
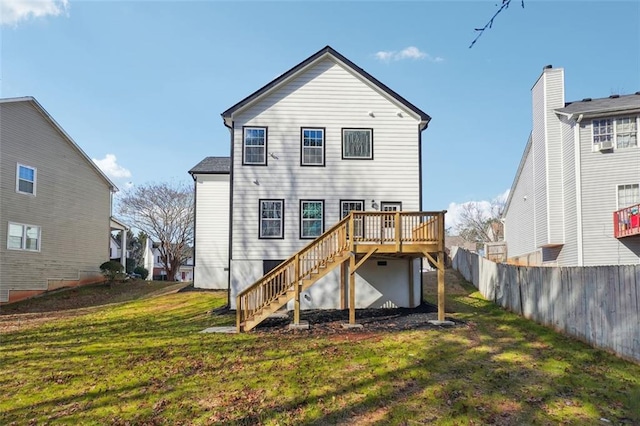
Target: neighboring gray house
x: 572, y: 200
x: 212, y: 189
x: 55, y: 205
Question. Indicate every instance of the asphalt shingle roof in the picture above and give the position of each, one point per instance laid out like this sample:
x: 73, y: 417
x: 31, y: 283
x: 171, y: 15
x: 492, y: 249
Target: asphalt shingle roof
x: 213, y: 165
x: 612, y: 103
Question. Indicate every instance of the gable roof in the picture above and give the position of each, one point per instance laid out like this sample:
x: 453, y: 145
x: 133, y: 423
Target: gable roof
x: 212, y: 165
x: 74, y: 145
x: 612, y: 104
x: 321, y: 54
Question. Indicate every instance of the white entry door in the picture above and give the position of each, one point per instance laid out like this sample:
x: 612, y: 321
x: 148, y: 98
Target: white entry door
x: 388, y: 221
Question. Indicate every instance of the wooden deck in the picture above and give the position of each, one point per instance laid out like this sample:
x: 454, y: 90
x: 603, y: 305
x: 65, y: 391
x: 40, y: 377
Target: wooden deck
x: 355, y: 238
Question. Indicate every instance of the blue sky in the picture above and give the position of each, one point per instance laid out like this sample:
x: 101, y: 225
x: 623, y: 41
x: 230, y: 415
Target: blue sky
x: 140, y: 85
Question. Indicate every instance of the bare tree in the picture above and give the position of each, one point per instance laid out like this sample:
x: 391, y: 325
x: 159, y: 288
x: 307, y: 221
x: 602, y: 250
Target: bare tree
x: 480, y: 223
x: 164, y: 212
x: 505, y: 4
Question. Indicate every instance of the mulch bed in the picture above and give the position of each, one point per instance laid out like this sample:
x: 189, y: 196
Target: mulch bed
x: 329, y: 321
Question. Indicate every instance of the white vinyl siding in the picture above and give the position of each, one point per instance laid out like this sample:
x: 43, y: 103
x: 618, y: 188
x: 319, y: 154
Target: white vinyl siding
x: 601, y: 173
x: 569, y: 253
x: 519, y: 217
x: 26, y: 179
x: 539, y: 157
x: 72, y: 206
x: 212, y: 231
x: 324, y: 96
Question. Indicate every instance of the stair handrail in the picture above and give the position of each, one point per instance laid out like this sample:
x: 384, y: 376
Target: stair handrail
x: 244, y: 312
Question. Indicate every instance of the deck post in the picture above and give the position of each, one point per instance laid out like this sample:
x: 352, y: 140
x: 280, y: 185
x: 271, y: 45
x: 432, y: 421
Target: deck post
x: 352, y: 289
x: 296, y: 285
x: 411, y: 285
x: 441, y: 266
x: 343, y: 285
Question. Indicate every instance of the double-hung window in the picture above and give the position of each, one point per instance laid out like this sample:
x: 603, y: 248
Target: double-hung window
x: 357, y: 144
x: 312, y: 149
x: 626, y: 132
x: 254, y: 146
x: 26, y: 179
x: 23, y: 237
x: 628, y: 195
x: 615, y: 133
x: 271, y: 219
x: 311, y: 218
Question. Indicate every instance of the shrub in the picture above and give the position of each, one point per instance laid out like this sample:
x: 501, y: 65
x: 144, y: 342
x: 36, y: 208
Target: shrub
x: 112, y: 270
x: 143, y: 272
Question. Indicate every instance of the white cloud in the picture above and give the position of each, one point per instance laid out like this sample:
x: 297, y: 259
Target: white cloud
x: 109, y: 165
x: 410, y: 52
x: 452, y: 218
x: 14, y: 11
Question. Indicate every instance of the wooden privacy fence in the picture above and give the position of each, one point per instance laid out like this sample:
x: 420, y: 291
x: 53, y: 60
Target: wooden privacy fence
x: 596, y: 304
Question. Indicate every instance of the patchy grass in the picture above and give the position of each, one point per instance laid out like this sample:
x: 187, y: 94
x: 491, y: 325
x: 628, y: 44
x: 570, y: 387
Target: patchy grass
x: 144, y: 362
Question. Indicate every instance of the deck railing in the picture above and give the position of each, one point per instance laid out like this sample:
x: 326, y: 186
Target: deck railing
x: 626, y: 221
x: 285, y: 276
x: 397, y: 227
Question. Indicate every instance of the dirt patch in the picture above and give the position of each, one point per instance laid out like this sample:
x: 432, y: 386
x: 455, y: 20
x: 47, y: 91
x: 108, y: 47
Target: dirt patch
x: 329, y: 321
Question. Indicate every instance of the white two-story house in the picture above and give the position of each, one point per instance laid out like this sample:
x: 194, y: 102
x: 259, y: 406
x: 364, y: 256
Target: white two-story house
x: 574, y: 200
x: 323, y: 139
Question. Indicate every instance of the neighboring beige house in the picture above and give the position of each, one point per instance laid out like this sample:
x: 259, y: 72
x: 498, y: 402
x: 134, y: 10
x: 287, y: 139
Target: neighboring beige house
x: 55, y: 205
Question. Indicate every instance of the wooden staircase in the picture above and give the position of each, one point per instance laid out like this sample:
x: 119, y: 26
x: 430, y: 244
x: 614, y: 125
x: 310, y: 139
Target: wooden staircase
x: 364, y: 233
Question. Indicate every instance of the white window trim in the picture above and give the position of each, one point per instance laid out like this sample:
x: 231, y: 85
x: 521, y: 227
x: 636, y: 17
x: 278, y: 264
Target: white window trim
x: 35, y: 179
x: 24, y: 237
x: 370, y: 130
x: 313, y: 148
x: 244, y: 146
x: 260, y: 218
x: 614, y: 136
x: 302, y: 220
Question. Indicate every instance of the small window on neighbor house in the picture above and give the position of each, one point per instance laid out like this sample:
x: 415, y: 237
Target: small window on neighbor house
x: 26, y: 179
x: 271, y: 219
x: 628, y: 195
x: 626, y: 132
x: 254, y: 149
x: 357, y: 144
x: 311, y: 218
x: 312, y: 153
x: 23, y: 237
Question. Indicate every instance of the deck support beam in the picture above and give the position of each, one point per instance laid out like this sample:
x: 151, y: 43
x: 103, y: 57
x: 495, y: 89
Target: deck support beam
x: 343, y: 285
x: 352, y: 289
x: 411, y: 285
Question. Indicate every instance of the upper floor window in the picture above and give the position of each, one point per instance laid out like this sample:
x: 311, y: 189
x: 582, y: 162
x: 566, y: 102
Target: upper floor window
x: 311, y: 218
x: 628, y: 195
x: 23, y: 237
x: 626, y: 132
x: 26, y: 179
x: 254, y: 146
x: 312, y: 151
x: 609, y: 133
x: 357, y: 144
x: 271, y: 219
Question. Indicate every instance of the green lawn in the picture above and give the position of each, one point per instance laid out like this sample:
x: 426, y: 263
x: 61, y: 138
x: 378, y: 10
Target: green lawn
x: 144, y: 362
